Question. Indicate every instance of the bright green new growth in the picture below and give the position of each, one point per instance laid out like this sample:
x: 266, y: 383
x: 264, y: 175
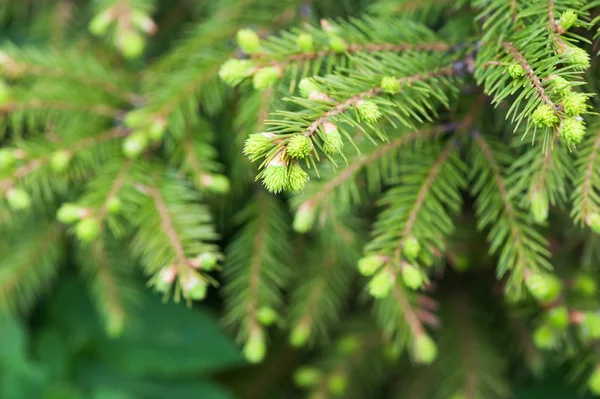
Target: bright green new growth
x: 567, y: 19
x: 368, y: 265
x: 572, y: 130
x: 516, y: 70
x: 381, y: 284
x: 390, y: 84
x: 299, y: 146
x: 248, y: 41
x: 369, y: 111
x: 266, y: 77
x: 544, y: 116
x: 574, y: 103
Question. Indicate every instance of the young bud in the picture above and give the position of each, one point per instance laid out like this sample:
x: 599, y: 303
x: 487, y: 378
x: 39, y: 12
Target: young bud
x: 114, y: 205
x: 256, y: 347
x: 380, y: 286
x: 567, y: 19
x: 60, y: 161
x: 307, y: 87
x: 411, y: 248
x: 7, y: 158
x: 234, y: 71
x: 332, y: 139
x: 69, y: 213
x: 390, y: 84
x: 544, y: 116
x: 165, y: 279
x: 266, y: 316
x: 337, y: 44
x: 299, y: 146
x: 299, y: 336
x: 590, y: 327
x: 142, y: 21
x: 516, y: 70
x: 18, y: 199
x: 135, y: 119
x: 275, y: 175
x: 368, y: 265
x: 297, y: 178
x: 594, y: 222
x: 157, y: 130
x: 572, y: 131
x: 218, y: 184
x: 305, y: 42
x: 131, y: 44
x: 424, y: 349
x: 248, y: 41
x: 559, y: 317
x: 306, y: 377
x: 257, y: 144
x: 412, y: 276
x: 206, y: 261
x: 545, y: 337
x: 99, y: 25
x: 560, y: 85
x: 539, y: 207
x: 585, y: 285
x: 369, y: 111
x: 337, y: 385
x: 349, y: 344
x: 266, y: 77
x: 575, y: 103
x: 193, y: 287
x: 135, y: 144
x: 577, y: 57
x: 305, y: 217
x: 88, y: 229
x: 5, y: 92
x: 594, y: 381
x: 543, y: 287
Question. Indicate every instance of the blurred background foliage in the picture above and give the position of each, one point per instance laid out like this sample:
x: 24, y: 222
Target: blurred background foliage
x: 59, y: 348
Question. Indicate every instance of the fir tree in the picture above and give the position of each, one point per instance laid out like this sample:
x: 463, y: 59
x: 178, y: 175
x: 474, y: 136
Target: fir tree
x: 407, y: 188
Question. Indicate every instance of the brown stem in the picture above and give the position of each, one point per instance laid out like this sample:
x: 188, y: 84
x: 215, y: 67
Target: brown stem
x: 167, y: 226
x: 353, y: 48
x: 352, y: 101
x: 533, y: 78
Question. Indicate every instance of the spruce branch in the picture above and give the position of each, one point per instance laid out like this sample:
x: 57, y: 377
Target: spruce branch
x: 521, y: 249
x: 35, y: 164
x: 323, y: 192
x: 35, y: 104
x: 586, y: 203
x: 28, y: 264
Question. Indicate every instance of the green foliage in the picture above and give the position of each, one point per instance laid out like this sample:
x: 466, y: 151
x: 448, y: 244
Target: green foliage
x: 355, y: 177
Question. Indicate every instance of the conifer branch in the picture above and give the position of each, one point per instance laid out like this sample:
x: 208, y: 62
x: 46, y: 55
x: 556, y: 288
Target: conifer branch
x: 35, y: 164
x: 586, y: 192
x: 168, y: 227
x: 20, y: 68
x: 532, y: 76
x: 423, y: 192
x: 352, y: 48
x: 352, y: 101
x: 410, y: 315
x: 114, y: 189
x: 367, y: 159
x: 112, y: 302
x: 97, y: 109
x: 506, y: 202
